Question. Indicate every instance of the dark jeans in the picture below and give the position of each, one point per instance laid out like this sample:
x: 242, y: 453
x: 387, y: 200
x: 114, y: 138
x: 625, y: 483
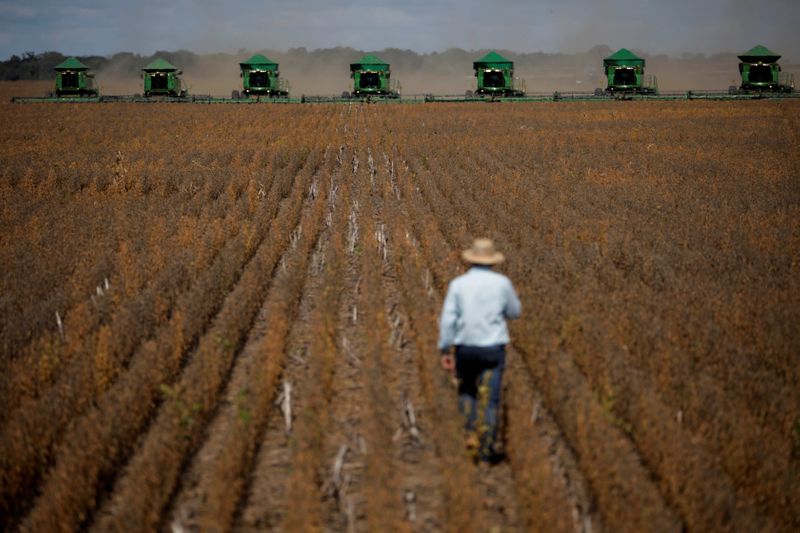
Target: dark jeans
x: 480, y: 374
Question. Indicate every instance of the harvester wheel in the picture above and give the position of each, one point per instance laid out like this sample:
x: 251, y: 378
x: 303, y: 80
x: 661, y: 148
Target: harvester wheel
x: 733, y: 89
x: 235, y: 95
x: 346, y: 95
x: 469, y: 94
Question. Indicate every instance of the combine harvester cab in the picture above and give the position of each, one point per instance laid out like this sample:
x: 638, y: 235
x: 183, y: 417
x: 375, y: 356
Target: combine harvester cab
x: 73, y: 80
x: 372, y: 77
x: 494, y: 75
x: 625, y: 75
x: 161, y: 78
x: 261, y: 77
x: 761, y: 72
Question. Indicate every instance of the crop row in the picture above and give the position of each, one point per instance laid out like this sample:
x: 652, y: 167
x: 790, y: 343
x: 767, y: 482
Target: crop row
x: 627, y: 381
x: 224, y: 481
x: 382, y: 482
x: 460, y: 494
x: 186, y: 285
x: 416, y: 228
x: 304, y: 486
x: 103, y: 432
x: 541, y: 497
x: 73, y: 208
x: 122, y: 241
x: 191, y: 401
x: 613, y: 377
x: 606, y: 455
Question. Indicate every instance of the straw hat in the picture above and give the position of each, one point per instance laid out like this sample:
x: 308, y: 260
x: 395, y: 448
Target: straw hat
x: 483, y: 252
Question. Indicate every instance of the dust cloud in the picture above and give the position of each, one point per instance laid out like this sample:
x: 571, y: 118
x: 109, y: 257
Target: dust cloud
x: 326, y: 71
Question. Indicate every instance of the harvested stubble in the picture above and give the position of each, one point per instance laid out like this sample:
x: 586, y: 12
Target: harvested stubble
x: 305, y: 484
x: 223, y: 482
x: 182, y: 418
x: 381, y: 482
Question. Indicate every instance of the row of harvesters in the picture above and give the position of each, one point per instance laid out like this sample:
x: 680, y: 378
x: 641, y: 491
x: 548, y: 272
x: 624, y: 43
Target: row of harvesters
x: 260, y: 78
x: 494, y: 79
x: 758, y: 68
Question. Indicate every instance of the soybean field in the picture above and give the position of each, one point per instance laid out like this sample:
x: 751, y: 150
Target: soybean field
x: 221, y: 318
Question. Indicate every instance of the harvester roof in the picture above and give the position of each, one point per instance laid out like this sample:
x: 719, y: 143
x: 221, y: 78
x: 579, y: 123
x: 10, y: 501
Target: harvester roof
x: 160, y: 65
x: 71, y: 63
x: 259, y: 61
x: 492, y: 60
x: 760, y: 54
x: 623, y: 58
x: 369, y: 62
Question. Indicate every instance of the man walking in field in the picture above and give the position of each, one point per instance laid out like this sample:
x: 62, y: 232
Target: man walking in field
x: 474, y: 321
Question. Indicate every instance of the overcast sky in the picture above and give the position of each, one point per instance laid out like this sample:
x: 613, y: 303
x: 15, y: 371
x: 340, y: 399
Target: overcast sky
x: 144, y: 26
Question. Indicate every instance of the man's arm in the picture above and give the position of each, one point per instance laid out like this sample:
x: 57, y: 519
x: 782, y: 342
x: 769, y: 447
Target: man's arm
x: 513, y: 307
x: 447, y: 321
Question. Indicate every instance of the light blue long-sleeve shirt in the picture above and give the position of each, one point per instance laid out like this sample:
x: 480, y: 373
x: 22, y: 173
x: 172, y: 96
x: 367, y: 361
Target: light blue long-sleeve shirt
x: 476, y: 308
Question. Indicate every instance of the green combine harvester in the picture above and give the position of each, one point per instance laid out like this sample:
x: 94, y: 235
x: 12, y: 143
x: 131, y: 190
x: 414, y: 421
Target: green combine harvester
x: 624, y: 71
x: 761, y: 73
x: 261, y: 77
x: 494, y: 76
x: 372, y: 77
x: 73, y: 79
x: 161, y: 78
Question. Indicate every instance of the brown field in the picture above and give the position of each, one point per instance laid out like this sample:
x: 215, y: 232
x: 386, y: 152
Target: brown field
x: 203, y: 260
